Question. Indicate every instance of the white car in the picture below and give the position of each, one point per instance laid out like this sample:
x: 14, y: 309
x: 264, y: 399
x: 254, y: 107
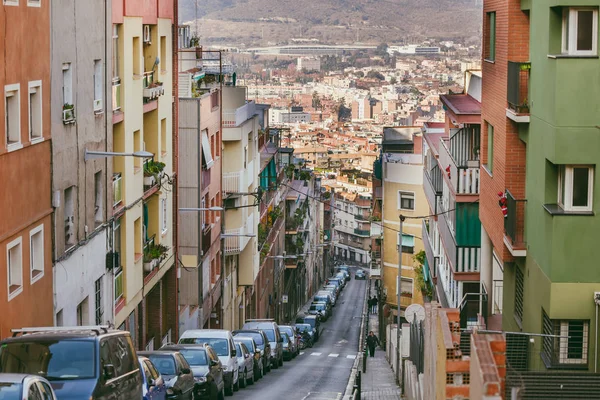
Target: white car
x: 23, y: 386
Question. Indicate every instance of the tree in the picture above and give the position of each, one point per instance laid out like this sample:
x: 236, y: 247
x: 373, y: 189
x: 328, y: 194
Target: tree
x: 393, y: 80
x: 375, y: 75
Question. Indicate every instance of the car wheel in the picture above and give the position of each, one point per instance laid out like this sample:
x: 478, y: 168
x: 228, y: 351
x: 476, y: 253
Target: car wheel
x: 275, y: 363
x: 229, y: 390
x: 261, y: 371
x: 243, y: 379
x: 222, y: 394
x: 236, y: 385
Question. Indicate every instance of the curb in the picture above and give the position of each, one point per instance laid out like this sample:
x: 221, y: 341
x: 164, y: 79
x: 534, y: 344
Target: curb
x: 350, y: 387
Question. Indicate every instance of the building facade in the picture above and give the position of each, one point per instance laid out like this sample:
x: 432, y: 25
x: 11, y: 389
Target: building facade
x: 402, y: 165
x: 142, y: 102
x: 82, y: 188
x: 352, y: 228
x: 25, y: 159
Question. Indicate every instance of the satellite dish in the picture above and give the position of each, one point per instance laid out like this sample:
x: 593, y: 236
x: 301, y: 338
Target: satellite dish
x: 414, y: 312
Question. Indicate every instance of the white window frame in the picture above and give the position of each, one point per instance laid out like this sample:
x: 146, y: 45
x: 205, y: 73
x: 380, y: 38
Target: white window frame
x: 17, y: 242
x: 10, y: 91
x: 67, y: 84
x: 165, y: 215
x: 563, y: 352
x: 32, y: 260
x: 400, y: 192
x: 34, y: 3
x: 569, y: 21
x: 11, y: 2
x: 98, y: 87
x: 36, y: 86
x: 567, y: 202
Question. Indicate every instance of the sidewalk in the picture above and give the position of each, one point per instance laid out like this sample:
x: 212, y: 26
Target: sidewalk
x: 378, y: 383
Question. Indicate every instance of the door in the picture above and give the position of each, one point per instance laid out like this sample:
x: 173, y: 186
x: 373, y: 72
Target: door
x: 128, y: 377
x: 216, y: 370
x: 33, y: 392
x: 108, y: 388
x: 185, y: 382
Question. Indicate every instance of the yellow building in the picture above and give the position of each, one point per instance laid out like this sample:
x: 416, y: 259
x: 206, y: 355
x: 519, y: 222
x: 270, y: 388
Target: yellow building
x: 145, y: 277
x: 402, y: 173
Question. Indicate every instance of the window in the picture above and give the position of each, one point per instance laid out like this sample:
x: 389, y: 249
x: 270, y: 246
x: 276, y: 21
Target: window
x: 115, y: 53
x: 82, y: 313
x: 67, y: 84
x: 35, y: 111
x: 36, y: 250
x: 207, y: 160
x: 165, y: 215
x: 163, y: 136
x: 98, y: 87
x: 408, y: 243
x: 163, y: 53
x: 490, y: 148
x: 138, y: 238
x: 14, y: 263
x: 519, y: 295
x: 137, y: 55
x: 98, y: 295
x: 580, y: 31
x: 70, y: 216
x: 406, y: 287
x: 406, y: 200
x: 12, y: 116
x: 491, y: 36
x: 575, y: 187
x: 571, y: 347
x: 11, y: 2
x: 34, y: 3
x: 98, y: 194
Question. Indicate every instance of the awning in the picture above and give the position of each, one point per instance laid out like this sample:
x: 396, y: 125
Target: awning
x: 208, y: 159
x: 408, y: 240
x: 426, y: 273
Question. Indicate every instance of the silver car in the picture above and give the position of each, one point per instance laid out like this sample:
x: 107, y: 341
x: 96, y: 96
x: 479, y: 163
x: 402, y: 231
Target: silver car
x: 246, y: 364
x: 23, y: 386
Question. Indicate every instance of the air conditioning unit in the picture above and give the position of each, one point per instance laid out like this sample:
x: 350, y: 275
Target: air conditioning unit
x: 98, y: 106
x: 147, y: 34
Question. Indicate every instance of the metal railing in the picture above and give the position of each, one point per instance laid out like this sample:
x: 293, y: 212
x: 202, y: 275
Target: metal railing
x: 117, y: 189
x: 233, y: 118
x: 518, y: 86
x: 233, y: 182
x: 514, y: 223
x: 362, y: 232
x: 498, y: 287
x: 116, y: 95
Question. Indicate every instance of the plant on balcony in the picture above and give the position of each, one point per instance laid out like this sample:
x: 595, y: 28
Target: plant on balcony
x: 289, y: 171
x: 524, y: 107
x: 406, y: 294
x: 68, y: 113
x: 274, y: 215
x: 375, y: 218
x: 153, y: 255
x: 153, y: 172
x: 264, y: 252
x: 262, y: 235
x: 423, y: 286
x: 304, y: 176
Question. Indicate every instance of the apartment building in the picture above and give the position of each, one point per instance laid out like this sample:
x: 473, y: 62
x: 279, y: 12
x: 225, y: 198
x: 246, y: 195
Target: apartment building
x: 352, y: 228
x: 25, y: 159
x: 402, y: 164
x: 240, y: 187
x: 145, y: 287
x: 538, y: 172
x: 82, y: 186
x: 452, y: 236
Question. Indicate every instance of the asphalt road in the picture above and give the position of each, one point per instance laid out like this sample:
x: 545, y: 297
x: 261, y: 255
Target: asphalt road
x: 320, y: 372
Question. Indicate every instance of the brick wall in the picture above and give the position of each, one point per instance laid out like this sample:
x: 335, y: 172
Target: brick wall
x: 488, y: 366
x: 512, y: 44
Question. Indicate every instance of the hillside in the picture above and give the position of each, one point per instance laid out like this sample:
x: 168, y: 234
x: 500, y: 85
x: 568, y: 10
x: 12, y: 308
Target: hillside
x: 262, y: 22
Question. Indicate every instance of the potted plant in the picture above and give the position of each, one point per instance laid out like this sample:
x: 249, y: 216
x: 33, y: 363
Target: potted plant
x: 153, y: 172
x: 68, y: 113
x: 153, y: 255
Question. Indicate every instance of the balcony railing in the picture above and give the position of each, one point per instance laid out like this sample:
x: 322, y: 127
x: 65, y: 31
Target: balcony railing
x: 429, y: 252
x: 461, y: 154
x: 116, y: 95
x: 362, y: 232
x: 469, y: 309
x: 234, y: 118
x: 518, y: 87
x: 152, y: 89
x: 497, y: 293
x: 361, y: 217
x: 468, y: 180
x: 432, y: 186
x: 117, y: 189
x: 206, y: 238
x: 514, y: 223
x: 233, y: 182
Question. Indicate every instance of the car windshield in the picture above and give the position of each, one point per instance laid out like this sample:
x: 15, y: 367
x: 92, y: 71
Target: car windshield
x: 320, y: 306
x: 310, y: 321
x: 238, y: 348
x: 164, y: 363
x: 303, y: 327
x: 286, y: 338
x: 313, y: 307
x: 54, y: 360
x: 258, y: 338
x: 249, y: 345
x: 287, y: 330
x: 219, y: 345
x: 10, y: 391
x: 270, y: 334
x: 194, y: 357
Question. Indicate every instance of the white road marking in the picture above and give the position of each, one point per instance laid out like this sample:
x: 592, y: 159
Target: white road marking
x: 315, y: 354
x: 333, y: 355
x: 351, y: 356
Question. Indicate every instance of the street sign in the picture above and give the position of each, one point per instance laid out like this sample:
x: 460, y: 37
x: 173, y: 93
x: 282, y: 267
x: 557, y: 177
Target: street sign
x: 284, y: 298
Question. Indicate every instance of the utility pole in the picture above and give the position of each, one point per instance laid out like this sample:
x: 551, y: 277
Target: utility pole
x: 398, y: 294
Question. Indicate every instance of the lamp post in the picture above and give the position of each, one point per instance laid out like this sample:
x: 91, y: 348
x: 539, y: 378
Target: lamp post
x: 90, y: 154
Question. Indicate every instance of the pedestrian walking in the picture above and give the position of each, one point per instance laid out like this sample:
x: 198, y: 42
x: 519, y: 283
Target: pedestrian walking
x: 370, y: 304
x: 374, y: 305
x: 372, y: 341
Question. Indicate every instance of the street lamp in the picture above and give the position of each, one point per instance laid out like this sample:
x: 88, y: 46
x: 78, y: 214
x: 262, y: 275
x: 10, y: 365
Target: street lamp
x: 90, y: 155
x: 228, y: 235
x: 202, y: 209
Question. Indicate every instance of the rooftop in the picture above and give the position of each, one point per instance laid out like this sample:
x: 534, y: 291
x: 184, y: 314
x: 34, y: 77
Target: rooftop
x: 400, y: 135
x: 461, y: 104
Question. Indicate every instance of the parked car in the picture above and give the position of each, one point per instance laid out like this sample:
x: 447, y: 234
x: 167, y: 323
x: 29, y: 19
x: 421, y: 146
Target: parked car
x: 291, y: 331
x: 23, y: 386
x: 360, y: 274
x: 333, y: 288
x: 206, y: 367
x: 153, y: 385
x: 302, y: 327
x: 175, y: 371
x: 329, y: 293
x: 221, y: 341
x: 345, y: 272
x: 288, y: 353
x: 314, y: 322
x: 323, y: 298
x: 262, y: 342
x: 257, y: 355
x: 319, y: 309
x: 80, y: 363
x: 270, y: 328
x: 246, y: 364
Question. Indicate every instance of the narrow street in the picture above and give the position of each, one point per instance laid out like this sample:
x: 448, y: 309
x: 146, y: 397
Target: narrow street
x: 320, y: 372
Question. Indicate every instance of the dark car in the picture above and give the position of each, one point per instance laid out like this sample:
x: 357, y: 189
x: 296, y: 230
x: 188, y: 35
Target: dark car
x: 360, y: 274
x: 256, y: 355
x: 153, y: 384
x: 80, y: 363
x: 314, y: 322
x: 271, y: 329
x: 288, y: 352
x: 301, y: 328
x: 176, y: 372
x: 319, y: 309
x: 261, y: 341
x: 23, y: 386
x: 206, y: 369
x: 291, y: 331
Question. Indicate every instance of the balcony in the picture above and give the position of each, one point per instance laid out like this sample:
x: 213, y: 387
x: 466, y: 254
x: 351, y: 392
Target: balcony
x: 376, y: 229
x: 361, y: 217
x: 234, y: 182
x: 518, y: 89
x: 235, y: 118
x: 514, y: 226
x: 116, y: 95
x: 379, y: 192
x: 362, y: 232
x: 206, y: 178
x: 429, y: 252
x: 117, y: 190
x: 206, y: 239
x: 460, y: 152
x: 463, y: 259
x: 432, y: 186
x: 152, y: 89
x: 236, y: 242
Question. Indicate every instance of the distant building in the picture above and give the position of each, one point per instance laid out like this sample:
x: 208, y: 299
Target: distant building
x: 309, y: 64
x: 413, y: 49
